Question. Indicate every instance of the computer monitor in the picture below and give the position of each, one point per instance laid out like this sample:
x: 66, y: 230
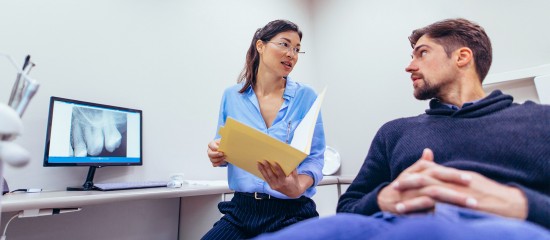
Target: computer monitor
x: 90, y: 134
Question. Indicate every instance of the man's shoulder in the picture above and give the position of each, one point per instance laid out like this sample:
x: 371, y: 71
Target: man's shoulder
x: 530, y: 108
x: 404, y: 122
x: 532, y: 104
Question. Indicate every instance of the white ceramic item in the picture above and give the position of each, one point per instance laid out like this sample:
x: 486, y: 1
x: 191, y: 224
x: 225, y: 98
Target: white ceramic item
x: 332, y: 161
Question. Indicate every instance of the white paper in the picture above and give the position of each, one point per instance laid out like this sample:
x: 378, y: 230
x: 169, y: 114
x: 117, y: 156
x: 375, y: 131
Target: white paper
x: 303, y: 134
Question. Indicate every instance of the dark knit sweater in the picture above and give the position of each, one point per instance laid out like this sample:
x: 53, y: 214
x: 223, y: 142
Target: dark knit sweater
x: 504, y: 141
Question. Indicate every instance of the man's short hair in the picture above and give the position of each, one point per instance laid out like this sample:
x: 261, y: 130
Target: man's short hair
x: 453, y: 34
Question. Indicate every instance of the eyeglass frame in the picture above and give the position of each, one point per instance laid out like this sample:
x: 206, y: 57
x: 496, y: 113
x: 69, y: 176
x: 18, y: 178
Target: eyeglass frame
x: 295, y: 50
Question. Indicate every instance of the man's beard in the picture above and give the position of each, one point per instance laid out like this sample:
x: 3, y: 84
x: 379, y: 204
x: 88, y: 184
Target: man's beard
x: 428, y: 91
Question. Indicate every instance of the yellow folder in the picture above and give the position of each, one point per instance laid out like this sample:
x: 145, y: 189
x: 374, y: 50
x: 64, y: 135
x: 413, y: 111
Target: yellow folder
x: 245, y: 146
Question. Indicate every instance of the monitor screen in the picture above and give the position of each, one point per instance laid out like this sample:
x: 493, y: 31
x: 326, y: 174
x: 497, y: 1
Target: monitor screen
x: 90, y: 134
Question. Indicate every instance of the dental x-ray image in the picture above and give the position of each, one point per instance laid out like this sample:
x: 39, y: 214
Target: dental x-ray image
x: 97, y: 133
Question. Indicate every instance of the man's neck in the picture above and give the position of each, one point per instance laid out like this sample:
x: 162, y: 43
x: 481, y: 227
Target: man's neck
x: 460, y: 98
x: 464, y: 91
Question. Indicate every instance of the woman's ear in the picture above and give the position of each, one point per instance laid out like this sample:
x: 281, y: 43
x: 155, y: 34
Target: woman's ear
x: 260, y: 46
x: 465, y: 56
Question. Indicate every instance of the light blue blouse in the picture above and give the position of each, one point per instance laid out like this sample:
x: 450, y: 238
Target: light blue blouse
x: 244, y: 107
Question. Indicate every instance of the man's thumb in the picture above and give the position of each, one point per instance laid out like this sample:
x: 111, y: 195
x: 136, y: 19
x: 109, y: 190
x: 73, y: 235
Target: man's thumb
x: 427, y: 154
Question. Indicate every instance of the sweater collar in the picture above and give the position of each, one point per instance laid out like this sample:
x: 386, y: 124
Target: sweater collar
x: 495, y: 101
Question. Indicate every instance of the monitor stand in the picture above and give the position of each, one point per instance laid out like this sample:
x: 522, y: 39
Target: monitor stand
x: 89, y: 184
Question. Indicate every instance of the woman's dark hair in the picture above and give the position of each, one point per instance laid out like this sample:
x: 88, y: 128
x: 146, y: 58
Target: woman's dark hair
x: 453, y: 34
x: 265, y: 34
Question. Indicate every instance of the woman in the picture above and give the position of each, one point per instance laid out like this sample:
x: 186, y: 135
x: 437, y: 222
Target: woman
x: 267, y: 99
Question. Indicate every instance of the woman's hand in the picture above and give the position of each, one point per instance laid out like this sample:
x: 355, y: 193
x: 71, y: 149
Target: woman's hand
x: 217, y: 158
x: 293, y: 185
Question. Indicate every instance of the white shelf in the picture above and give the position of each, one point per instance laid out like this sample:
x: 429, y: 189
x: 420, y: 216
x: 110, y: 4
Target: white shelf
x: 542, y: 84
x: 526, y: 73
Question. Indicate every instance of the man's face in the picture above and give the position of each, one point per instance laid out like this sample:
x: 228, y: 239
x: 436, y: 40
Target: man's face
x: 431, y: 69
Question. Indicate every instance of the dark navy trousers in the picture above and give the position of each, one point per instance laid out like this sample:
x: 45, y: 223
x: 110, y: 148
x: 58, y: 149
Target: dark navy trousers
x: 246, y: 217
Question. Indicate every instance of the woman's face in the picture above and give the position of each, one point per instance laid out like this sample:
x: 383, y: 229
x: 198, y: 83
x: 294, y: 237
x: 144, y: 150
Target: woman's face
x: 280, y: 54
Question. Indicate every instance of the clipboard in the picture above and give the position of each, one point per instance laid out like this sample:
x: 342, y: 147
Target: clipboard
x: 245, y: 146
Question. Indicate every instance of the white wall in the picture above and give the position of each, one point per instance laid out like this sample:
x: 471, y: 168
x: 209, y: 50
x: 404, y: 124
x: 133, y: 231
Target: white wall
x: 173, y: 58
x: 170, y: 58
x: 362, y: 51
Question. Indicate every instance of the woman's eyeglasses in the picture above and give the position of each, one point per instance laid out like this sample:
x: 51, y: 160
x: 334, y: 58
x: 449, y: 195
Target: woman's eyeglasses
x: 287, y: 47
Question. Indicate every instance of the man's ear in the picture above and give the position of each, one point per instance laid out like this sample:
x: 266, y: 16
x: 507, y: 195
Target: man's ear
x: 465, y: 56
x: 260, y: 46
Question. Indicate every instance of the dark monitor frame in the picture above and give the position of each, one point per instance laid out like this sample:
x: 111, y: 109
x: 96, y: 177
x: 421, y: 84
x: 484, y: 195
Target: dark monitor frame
x: 88, y: 184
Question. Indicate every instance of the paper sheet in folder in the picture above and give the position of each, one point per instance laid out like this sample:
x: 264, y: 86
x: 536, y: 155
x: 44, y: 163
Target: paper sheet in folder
x: 245, y: 146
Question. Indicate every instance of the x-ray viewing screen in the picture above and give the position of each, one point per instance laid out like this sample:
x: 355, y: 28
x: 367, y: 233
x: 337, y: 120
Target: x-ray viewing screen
x: 90, y: 134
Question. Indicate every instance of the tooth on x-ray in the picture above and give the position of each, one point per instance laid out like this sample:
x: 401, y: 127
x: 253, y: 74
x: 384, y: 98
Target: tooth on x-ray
x: 92, y: 130
x: 112, y: 135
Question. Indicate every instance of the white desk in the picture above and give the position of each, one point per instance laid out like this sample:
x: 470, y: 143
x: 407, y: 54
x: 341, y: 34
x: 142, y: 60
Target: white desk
x: 66, y: 199
x: 154, y: 213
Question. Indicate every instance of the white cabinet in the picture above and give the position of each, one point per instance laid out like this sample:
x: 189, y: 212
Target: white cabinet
x: 343, y: 188
x: 198, y: 215
x: 228, y: 196
x: 326, y: 199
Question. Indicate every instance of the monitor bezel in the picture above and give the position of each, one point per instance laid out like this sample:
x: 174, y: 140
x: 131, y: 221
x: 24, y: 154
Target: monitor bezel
x: 53, y: 99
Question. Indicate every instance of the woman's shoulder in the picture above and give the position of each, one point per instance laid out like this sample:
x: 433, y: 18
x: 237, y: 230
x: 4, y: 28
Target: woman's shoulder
x: 233, y: 89
x: 300, y: 88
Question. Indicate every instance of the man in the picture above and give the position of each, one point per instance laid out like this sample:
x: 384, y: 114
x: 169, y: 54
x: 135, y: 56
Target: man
x: 472, y: 167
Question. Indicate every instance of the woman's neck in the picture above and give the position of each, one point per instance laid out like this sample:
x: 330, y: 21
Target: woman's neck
x: 268, y: 84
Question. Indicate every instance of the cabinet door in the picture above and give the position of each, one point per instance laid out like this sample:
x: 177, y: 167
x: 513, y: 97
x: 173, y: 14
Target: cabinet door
x: 228, y: 196
x: 326, y: 199
x: 343, y: 188
x: 198, y: 214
